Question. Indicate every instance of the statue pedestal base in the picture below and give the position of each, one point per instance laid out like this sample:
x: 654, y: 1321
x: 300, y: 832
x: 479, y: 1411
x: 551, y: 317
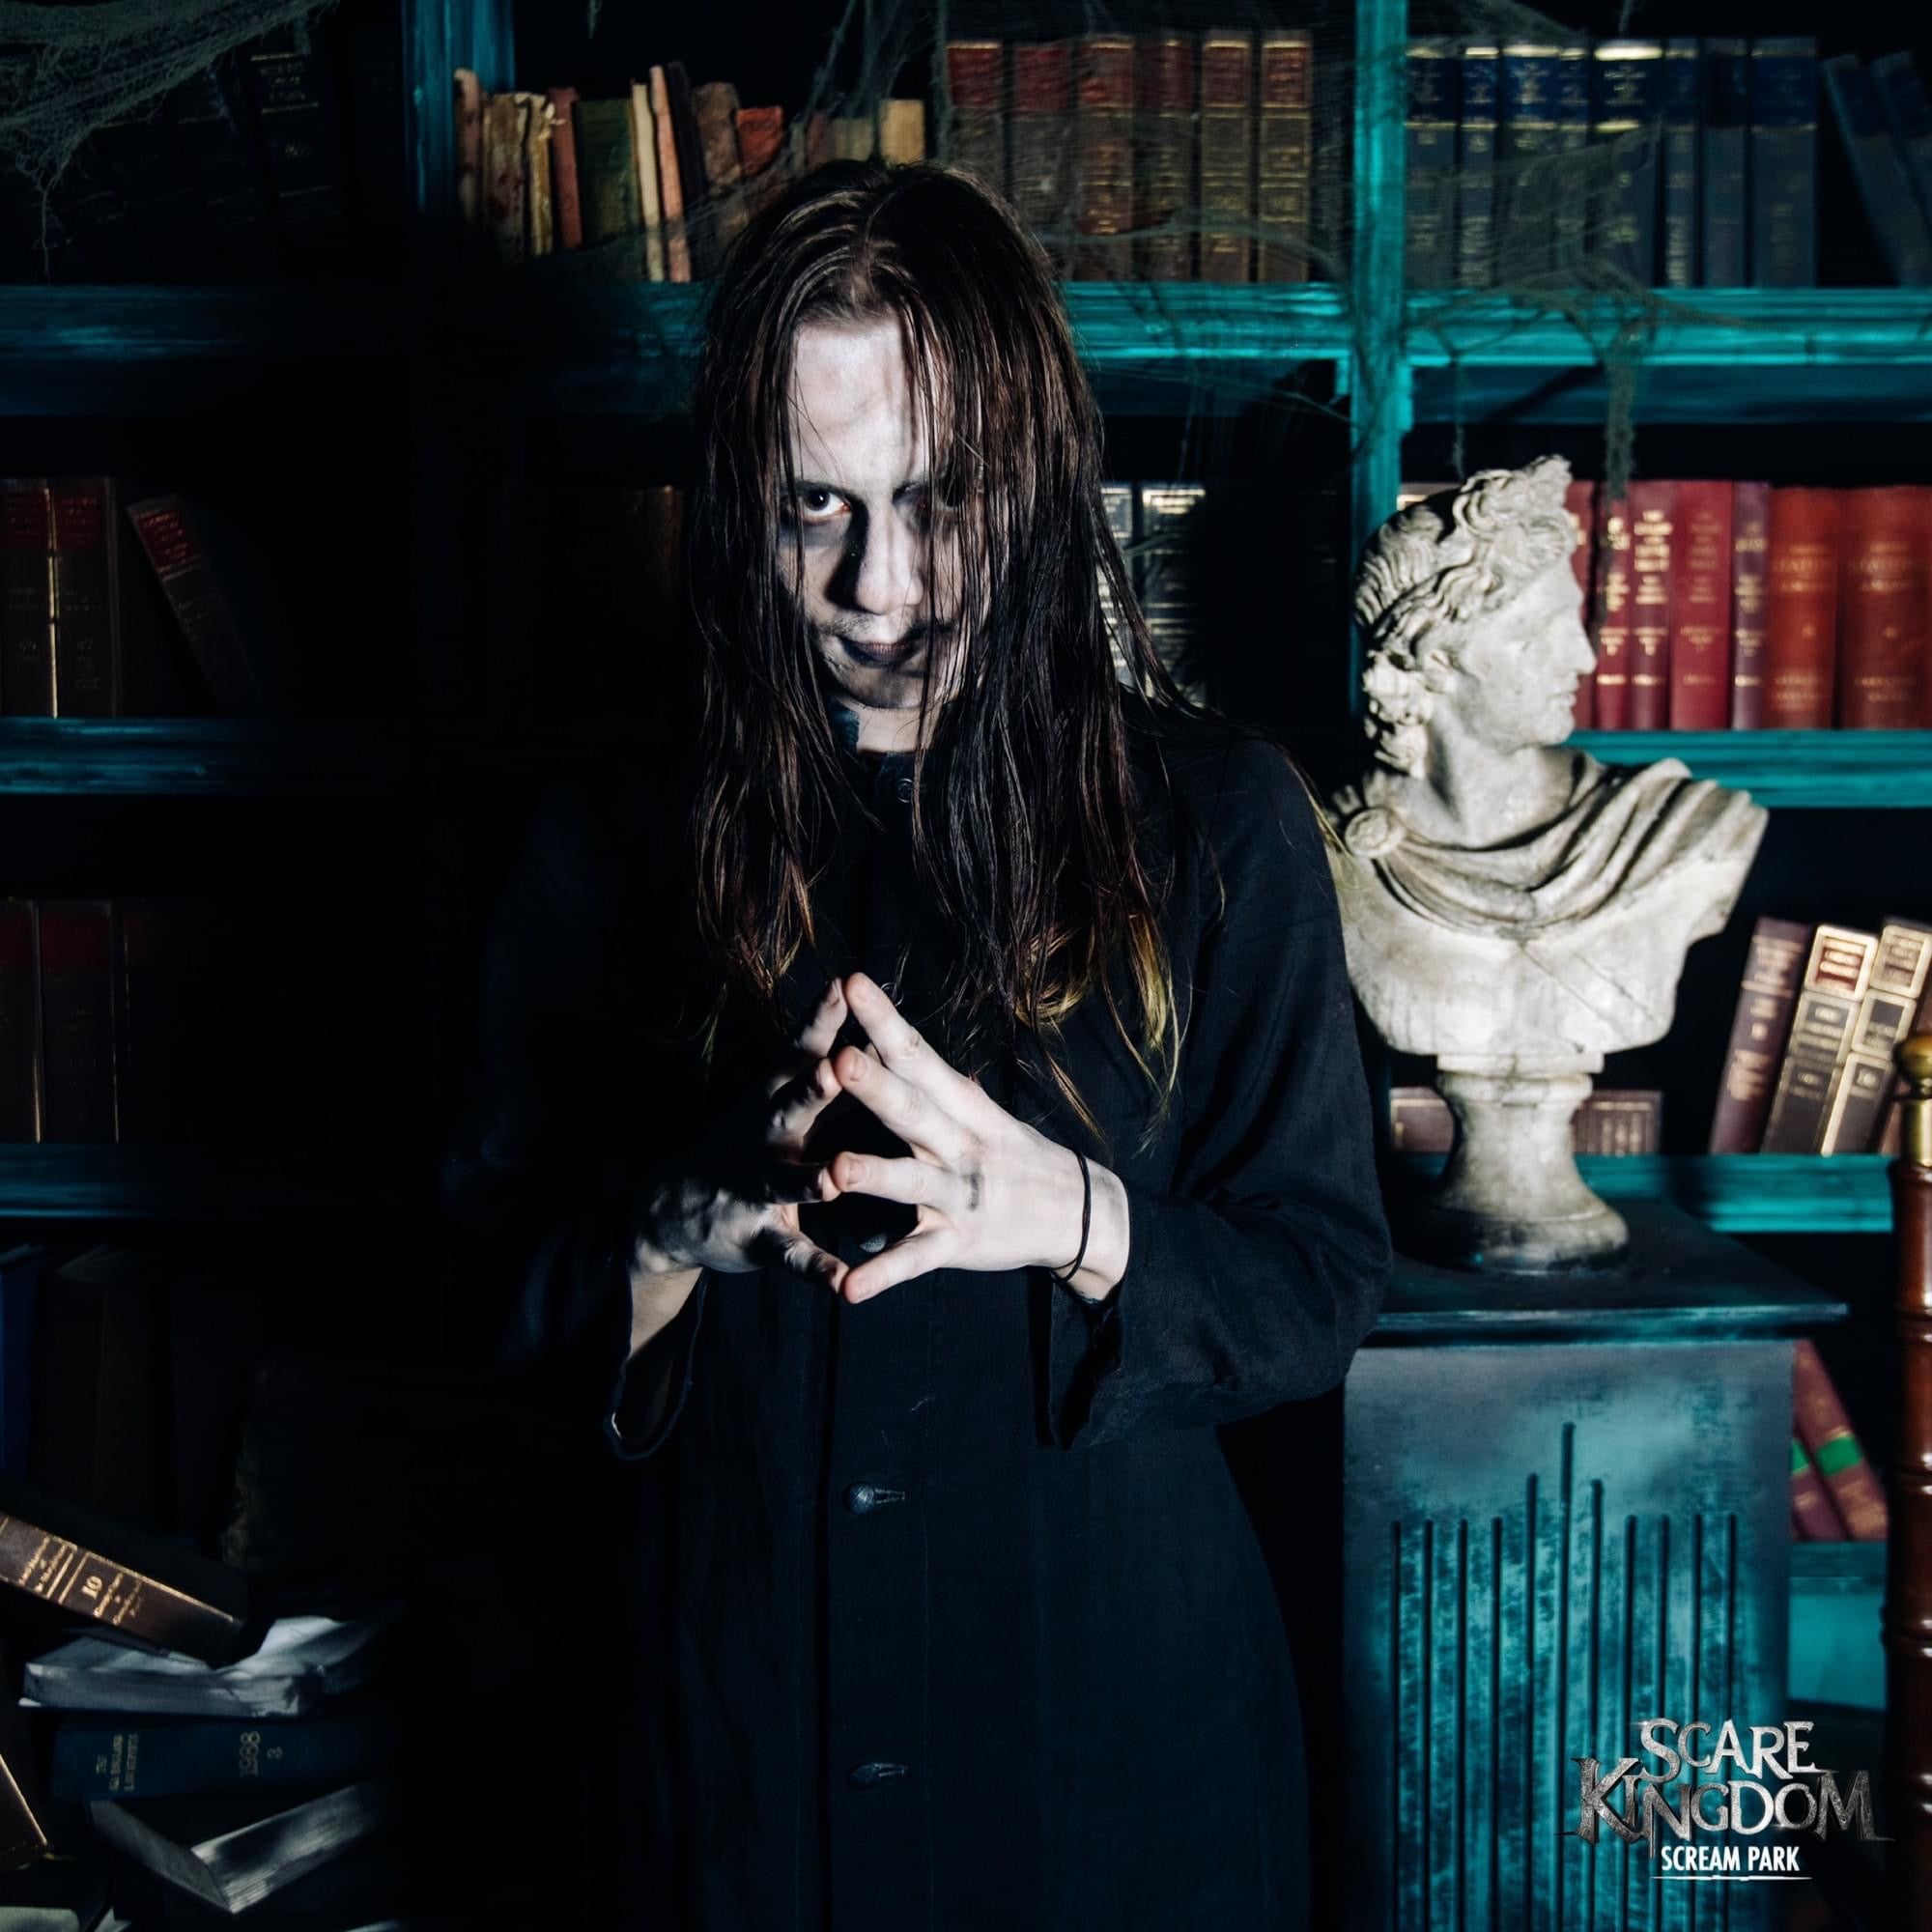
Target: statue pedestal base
x: 1510, y: 1196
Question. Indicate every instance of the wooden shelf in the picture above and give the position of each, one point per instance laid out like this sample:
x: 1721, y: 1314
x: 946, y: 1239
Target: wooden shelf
x: 1704, y: 354
x: 1877, y: 770
x: 1744, y: 1193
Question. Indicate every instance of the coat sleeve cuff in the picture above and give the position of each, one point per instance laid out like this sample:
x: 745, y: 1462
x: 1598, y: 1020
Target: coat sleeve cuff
x: 651, y: 1385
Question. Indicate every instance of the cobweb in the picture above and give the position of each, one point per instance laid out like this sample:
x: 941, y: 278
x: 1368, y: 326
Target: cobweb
x: 68, y: 71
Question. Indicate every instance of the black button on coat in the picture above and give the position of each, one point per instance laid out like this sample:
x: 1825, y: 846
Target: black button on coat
x: 942, y: 1611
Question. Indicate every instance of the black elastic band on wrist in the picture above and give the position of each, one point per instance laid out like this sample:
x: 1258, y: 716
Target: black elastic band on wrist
x: 1065, y: 1276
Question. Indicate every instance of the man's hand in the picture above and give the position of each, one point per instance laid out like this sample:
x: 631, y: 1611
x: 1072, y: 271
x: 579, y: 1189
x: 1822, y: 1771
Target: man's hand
x: 991, y: 1192
x: 733, y: 1206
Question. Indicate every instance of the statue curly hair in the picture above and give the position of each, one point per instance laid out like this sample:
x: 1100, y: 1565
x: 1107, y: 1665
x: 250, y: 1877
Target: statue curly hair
x: 1436, y: 566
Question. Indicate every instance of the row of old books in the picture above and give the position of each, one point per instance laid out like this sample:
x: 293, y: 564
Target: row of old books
x: 95, y: 1034
x: 1835, y: 1495
x: 1720, y: 605
x: 285, y: 157
x: 119, y: 603
x: 1808, y: 1066
x: 1156, y: 156
x: 1682, y: 162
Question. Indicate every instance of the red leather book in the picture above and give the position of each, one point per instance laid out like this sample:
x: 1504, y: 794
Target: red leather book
x: 1751, y: 542
x: 26, y: 599
x: 760, y: 143
x: 1759, y: 1028
x: 1610, y: 615
x: 1826, y: 1432
x: 1580, y: 500
x: 1653, y: 516
x: 1811, y: 1512
x: 1882, y: 613
x: 1283, y: 153
x: 1103, y: 168
x: 1164, y: 190
x: 567, y: 225
x: 1226, y: 157
x: 1800, y: 623
x: 976, y: 140
x: 1700, y: 609
x: 1042, y: 145
x: 87, y: 682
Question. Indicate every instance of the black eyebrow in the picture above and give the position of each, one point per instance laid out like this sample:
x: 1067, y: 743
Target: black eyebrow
x: 906, y: 489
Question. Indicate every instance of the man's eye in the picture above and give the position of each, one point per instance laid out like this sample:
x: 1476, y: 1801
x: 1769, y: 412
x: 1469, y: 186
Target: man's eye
x: 816, y: 506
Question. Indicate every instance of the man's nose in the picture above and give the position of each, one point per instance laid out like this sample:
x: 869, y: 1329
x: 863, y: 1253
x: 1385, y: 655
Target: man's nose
x: 886, y: 565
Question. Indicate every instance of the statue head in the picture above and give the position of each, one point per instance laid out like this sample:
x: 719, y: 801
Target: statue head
x: 1470, y: 610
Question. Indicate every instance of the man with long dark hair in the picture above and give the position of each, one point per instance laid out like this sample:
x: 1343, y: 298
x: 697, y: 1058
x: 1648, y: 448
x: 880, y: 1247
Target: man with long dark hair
x: 910, y: 1152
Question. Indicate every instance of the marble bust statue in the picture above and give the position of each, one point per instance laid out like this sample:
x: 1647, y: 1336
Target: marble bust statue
x: 1512, y: 909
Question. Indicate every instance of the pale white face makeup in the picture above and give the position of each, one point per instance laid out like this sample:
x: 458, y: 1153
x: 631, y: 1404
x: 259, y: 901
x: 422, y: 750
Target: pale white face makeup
x: 857, y: 527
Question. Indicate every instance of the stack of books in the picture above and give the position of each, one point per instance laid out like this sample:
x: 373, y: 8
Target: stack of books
x: 1809, y: 1068
x: 1720, y: 606
x: 1835, y: 1497
x: 1682, y: 162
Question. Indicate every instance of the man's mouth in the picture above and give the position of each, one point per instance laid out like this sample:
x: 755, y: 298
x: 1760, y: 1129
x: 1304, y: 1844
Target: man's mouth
x: 884, y: 656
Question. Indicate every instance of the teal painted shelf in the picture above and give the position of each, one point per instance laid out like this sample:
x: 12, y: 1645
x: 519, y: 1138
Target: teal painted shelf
x: 1744, y: 1193
x: 1703, y: 354
x: 193, y: 758
x: 162, y: 1183
x: 94, y: 350
x: 1878, y: 770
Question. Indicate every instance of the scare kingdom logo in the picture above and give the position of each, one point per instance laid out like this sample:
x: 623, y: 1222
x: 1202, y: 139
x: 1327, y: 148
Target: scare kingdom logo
x: 1703, y: 1779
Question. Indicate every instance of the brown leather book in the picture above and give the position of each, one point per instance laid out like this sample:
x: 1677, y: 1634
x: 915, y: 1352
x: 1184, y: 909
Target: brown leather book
x: 568, y: 225
x: 19, y: 1025
x: 470, y: 164
x: 1700, y: 609
x: 119, y: 1578
x: 1041, y: 141
x: 714, y: 105
x: 1762, y: 1022
x: 1801, y: 610
x: 175, y: 536
x: 976, y: 135
x: 670, y: 182
x: 1826, y: 1432
x: 1812, y: 1514
x: 1164, y: 187
x: 1652, y: 521
x: 1580, y: 500
x: 760, y: 144
x: 1284, y: 153
x: 1836, y: 974
x: 1611, y: 616
x: 78, y: 1097
x: 1883, y: 608
x: 1862, y: 1082
x: 505, y: 227
x: 26, y: 585
x: 1750, y: 544
x: 1103, y: 163
x: 700, y: 214
x: 87, y: 677
x: 1227, y: 165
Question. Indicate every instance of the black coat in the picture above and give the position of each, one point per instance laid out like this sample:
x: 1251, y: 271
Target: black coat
x: 942, y: 1611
